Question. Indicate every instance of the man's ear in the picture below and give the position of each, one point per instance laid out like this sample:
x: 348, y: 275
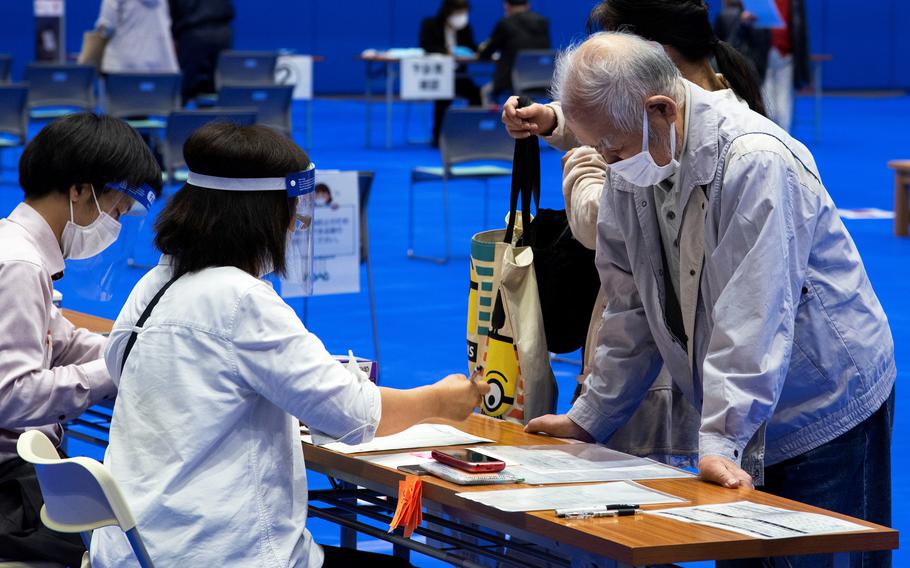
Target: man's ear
x: 80, y: 192
x: 662, y: 106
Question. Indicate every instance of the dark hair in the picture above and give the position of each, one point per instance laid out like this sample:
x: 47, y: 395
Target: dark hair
x: 449, y: 7
x: 202, y: 228
x: 86, y: 148
x: 683, y: 25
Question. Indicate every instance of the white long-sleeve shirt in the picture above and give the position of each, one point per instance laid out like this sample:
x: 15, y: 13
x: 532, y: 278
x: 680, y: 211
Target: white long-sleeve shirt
x: 205, y: 442
x: 139, y: 37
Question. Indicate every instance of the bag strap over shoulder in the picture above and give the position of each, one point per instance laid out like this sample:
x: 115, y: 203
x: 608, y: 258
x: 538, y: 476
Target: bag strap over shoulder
x: 141, y: 321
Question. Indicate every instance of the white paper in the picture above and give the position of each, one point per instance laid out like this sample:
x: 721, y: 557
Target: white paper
x: 578, y: 463
x: 428, y: 78
x: 760, y: 521
x: 571, y: 497
x: 394, y: 461
x: 419, y: 436
x: 296, y: 70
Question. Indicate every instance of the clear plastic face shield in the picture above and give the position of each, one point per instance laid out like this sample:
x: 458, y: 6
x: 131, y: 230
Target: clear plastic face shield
x: 299, y: 186
x: 93, y: 250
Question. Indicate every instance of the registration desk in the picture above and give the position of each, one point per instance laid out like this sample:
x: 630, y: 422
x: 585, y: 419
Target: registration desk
x: 364, y: 490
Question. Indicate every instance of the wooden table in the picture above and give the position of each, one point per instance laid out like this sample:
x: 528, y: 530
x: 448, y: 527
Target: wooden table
x: 901, y: 196
x: 626, y: 541
x: 91, y: 323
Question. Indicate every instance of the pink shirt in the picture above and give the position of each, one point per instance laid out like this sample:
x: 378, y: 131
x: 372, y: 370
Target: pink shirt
x: 49, y: 370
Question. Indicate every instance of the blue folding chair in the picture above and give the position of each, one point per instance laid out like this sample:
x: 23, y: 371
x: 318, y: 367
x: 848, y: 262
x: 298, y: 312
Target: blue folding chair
x: 532, y: 73
x: 6, y: 65
x: 144, y: 100
x: 182, y: 123
x: 13, y: 115
x: 272, y: 103
x: 251, y: 68
x: 56, y: 90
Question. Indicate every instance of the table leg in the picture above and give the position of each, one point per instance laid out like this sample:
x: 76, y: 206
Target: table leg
x: 901, y: 204
x: 348, y: 535
x: 401, y: 551
x: 585, y: 560
x: 389, y: 88
x: 369, y: 100
x: 818, y: 101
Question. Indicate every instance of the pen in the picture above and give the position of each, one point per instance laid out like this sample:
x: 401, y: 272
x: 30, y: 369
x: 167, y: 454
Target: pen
x: 594, y: 514
x: 598, y: 508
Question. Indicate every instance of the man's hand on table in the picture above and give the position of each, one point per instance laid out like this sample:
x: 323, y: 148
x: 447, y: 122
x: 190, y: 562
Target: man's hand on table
x: 723, y: 472
x: 558, y: 426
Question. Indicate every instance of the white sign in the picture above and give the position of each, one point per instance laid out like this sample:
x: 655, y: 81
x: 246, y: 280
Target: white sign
x: 428, y: 78
x: 49, y: 8
x: 296, y: 70
x: 336, y: 236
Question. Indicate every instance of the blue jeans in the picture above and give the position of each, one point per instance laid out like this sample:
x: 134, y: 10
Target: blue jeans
x: 851, y: 475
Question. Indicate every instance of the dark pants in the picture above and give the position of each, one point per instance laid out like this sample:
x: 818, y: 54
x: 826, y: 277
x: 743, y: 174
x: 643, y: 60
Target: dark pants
x: 850, y: 475
x: 336, y: 557
x: 197, y: 52
x: 22, y: 534
x: 465, y: 88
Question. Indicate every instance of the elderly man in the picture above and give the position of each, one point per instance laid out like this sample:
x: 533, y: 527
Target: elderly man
x: 726, y: 260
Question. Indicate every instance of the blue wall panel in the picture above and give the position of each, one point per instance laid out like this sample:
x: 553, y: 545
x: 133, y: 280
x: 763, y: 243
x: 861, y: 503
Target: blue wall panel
x: 868, y: 40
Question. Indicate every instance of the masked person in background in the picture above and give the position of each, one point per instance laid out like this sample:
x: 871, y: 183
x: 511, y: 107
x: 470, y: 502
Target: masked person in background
x: 79, y: 175
x: 448, y: 29
x: 214, y: 385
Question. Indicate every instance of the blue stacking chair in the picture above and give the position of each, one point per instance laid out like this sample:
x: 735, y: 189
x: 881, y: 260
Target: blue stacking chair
x: 272, y: 103
x: 56, y: 90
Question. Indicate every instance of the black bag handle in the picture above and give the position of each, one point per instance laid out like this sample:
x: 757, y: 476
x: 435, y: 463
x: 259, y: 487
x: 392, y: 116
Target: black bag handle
x: 145, y: 315
x: 525, y: 182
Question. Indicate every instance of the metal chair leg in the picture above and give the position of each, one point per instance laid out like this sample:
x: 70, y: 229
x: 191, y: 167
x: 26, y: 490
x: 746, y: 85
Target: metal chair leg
x: 445, y: 208
x: 486, y: 203
x: 373, y: 309
x: 445, y: 219
x: 411, y: 219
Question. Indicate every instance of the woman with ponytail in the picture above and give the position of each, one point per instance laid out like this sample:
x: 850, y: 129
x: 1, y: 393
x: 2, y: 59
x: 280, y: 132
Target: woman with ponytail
x: 665, y: 427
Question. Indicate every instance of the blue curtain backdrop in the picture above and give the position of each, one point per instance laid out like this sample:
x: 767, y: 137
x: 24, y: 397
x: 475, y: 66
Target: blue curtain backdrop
x: 870, y: 51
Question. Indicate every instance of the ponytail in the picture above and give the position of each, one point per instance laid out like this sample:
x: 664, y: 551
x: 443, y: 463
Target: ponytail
x: 741, y: 74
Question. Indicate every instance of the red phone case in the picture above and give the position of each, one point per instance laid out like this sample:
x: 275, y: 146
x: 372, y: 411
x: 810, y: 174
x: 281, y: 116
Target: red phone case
x: 472, y: 467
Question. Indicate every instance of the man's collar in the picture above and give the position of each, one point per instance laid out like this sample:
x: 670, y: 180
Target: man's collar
x: 36, y: 226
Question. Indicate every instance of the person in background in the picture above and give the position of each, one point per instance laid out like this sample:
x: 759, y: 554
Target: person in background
x: 50, y: 371
x: 205, y: 440
x: 138, y: 37
x: 201, y: 30
x: 442, y: 33
x: 665, y: 427
x: 757, y: 302
x: 780, y: 56
x: 519, y: 29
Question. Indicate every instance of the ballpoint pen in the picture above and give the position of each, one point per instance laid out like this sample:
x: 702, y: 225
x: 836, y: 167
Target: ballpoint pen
x: 592, y: 514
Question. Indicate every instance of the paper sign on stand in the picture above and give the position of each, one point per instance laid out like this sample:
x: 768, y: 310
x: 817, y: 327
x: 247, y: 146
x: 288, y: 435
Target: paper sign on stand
x: 428, y: 78
x: 296, y: 70
x: 336, y: 236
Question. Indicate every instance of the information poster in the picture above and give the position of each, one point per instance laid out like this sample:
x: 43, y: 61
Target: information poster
x: 336, y: 236
x: 296, y: 70
x: 50, y: 39
x: 428, y: 78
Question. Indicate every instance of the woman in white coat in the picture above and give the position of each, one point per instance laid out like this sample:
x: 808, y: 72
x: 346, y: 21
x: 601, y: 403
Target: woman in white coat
x: 215, y: 381
x: 138, y: 34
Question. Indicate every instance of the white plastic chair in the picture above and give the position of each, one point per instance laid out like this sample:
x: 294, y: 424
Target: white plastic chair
x: 79, y: 494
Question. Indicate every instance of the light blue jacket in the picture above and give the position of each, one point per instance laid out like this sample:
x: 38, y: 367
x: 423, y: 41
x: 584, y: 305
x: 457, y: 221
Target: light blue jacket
x: 791, y: 345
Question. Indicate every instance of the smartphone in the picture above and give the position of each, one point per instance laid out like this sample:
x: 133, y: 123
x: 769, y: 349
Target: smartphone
x: 469, y: 460
x: 413, y: 470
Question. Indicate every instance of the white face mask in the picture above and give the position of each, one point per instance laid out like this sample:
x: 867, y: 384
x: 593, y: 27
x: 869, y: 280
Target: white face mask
x: 641, y: 170
x: 84, y: 242
x: 458, y: 21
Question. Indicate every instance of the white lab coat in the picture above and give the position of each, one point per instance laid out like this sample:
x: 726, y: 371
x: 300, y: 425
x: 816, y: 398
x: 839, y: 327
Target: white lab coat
x: 139, y: 37
x: 204, y: 440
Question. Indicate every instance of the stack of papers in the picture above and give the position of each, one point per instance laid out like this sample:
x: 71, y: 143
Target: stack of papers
x: 571, y: 497
x: 419, y: 436
x: 577, y: 463
x: 760, y: 521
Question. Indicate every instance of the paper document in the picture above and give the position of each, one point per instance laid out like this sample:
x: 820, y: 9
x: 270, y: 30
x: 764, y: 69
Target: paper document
x: 570, y: 497
x: 577, y: 463
x: 394, y: 461
x: 766, y: 13
x: 419, y: 436
x: 760, y: 521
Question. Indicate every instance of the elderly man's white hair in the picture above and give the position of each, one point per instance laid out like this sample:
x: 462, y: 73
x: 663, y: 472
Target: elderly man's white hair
x: 607, y: 78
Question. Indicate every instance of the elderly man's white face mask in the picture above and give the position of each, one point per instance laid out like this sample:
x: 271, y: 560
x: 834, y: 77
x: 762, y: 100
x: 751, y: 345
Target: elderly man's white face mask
x: 641, y: 170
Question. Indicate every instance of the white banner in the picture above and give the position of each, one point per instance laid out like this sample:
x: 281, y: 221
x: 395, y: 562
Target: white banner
x: 49, y: 8
x: 296, y: 70
x: 428, y: 78
x: 336, y: 236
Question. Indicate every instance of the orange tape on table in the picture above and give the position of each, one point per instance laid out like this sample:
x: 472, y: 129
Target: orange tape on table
x: 409, y: 512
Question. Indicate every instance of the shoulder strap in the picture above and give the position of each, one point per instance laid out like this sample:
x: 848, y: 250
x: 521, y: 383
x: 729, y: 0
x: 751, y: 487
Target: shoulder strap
x: 145, y: 315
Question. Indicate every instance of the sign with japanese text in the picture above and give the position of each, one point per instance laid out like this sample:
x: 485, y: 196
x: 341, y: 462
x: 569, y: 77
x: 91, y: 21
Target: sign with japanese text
x: 428, y: 78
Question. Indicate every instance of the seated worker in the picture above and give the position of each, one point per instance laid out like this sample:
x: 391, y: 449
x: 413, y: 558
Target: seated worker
x: 768, y: 323
x: 448, y: 29
x: 665, y: 426
x: 519, y: 29
x: 205, y: 440
x: 77, y: 175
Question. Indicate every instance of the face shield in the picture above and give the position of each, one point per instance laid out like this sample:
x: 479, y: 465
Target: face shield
x: 93, y: 251
x: 299, y: 186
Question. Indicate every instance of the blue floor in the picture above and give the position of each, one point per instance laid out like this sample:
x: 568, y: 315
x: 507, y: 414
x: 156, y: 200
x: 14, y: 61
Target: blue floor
x: 421, y: 306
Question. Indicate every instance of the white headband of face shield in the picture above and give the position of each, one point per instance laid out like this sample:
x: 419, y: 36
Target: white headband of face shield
x: 244, y: 184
